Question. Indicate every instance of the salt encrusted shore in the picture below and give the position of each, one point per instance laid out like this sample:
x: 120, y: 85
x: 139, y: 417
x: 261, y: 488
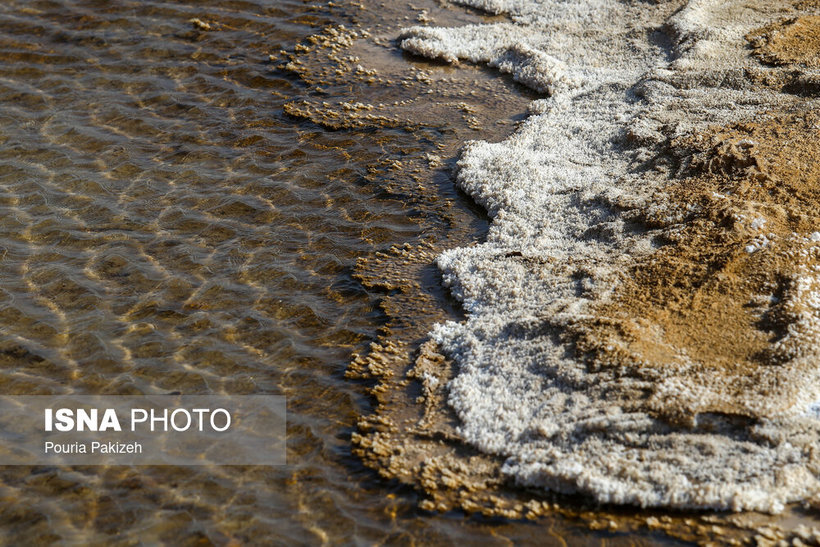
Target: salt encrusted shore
x: 572, y: 366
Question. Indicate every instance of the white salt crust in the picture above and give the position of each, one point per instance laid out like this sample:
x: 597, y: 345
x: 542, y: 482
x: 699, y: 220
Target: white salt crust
x: 557, y: 244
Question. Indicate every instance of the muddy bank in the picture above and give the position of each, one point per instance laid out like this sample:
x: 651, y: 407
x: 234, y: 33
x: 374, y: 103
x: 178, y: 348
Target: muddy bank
x: 641, y: 318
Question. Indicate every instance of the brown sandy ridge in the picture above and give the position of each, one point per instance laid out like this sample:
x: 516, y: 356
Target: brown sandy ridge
x: 714, y: 310
x: 789, y: 42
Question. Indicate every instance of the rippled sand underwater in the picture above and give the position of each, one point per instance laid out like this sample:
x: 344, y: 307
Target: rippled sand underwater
x: 166, y: 227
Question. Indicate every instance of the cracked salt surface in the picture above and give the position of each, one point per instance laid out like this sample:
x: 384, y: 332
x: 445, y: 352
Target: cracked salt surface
x: 558, y: 242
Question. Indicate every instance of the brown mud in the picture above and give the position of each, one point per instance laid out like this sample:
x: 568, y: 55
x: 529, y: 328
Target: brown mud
x: 721, y: 294
x: 789, y: 42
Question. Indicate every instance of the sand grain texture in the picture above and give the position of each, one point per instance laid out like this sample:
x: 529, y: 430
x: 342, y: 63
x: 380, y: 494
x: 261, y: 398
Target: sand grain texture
x: 642, y: 319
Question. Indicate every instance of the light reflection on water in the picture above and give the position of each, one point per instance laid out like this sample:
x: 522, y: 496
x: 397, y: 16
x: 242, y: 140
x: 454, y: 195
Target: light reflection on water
x: 163, y: 227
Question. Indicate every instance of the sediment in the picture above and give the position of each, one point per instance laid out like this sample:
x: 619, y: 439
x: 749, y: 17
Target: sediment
x: 642, y: 317
x: 641, y: 321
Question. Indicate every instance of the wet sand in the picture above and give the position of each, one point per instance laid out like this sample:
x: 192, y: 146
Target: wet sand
x: 707, y: 327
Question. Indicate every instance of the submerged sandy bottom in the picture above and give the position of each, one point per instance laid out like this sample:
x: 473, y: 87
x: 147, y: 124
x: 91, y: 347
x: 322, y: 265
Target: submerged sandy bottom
x: 642, y: 320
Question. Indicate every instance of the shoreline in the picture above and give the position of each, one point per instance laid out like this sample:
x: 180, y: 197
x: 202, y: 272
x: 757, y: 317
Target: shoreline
x: 462, y: 476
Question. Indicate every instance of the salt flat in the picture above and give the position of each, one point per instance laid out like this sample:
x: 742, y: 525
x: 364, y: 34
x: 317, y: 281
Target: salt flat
x: 643, y: 316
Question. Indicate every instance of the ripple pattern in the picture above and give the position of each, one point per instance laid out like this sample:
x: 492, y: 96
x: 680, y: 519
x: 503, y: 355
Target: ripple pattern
x: 164, y: 227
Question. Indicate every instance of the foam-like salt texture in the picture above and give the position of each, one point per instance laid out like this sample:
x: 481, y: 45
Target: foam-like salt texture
x: 619, y: 87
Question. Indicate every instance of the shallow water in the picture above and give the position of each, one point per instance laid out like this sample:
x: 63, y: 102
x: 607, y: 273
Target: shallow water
x: 165, y: 227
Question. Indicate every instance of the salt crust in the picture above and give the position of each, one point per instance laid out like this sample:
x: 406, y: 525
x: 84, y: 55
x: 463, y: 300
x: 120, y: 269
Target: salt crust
x: 557, y: 243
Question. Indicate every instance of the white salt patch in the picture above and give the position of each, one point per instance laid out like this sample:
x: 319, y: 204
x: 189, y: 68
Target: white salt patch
x: 758, y: 243
x: 758, y: 223
x: 557, y: 244
x: 500, y: 46
x: 430, y: 380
